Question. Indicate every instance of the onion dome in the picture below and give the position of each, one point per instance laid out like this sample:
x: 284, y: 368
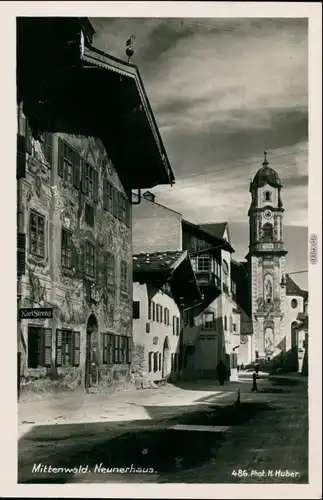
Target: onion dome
x: 266, y: 175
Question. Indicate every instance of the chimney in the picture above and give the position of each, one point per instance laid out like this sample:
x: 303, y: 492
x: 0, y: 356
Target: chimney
x: 149, y: 196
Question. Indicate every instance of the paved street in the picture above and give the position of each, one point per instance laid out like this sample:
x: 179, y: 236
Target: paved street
x: 190, y: 433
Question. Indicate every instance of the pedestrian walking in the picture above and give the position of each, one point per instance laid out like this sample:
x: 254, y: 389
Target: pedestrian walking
x: 221, y: 371
x: 257, y: 367
x: 242, y: 367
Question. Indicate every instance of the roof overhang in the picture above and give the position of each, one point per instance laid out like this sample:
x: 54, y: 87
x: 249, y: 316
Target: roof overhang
x: 67, y: 85
x: 215, y: 242
x: 180, y: 277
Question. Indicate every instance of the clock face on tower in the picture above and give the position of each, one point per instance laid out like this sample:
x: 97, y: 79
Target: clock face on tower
x: 268, y: 214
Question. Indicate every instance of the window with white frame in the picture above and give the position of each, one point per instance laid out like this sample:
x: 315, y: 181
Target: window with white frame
x: 208, y: 321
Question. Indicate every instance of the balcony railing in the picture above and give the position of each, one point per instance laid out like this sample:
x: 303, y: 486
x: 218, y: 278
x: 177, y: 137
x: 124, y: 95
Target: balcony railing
x: 207, y: 278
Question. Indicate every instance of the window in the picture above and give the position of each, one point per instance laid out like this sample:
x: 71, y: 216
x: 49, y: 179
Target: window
x: 66, y: 249
x: 226, y: 281
x: 165, y: 315
x: 136, y: 309
x: 37, y: 234
x: 157, y: 313
x: 267, y: 196
x: 155, y: 358
x: 116, y: 349
x: 109, y: 268
x: 268, y: 232
x: 175, y: 326
x: 107, y: 348
x: 108, y: 196
x: 153, y: 311
x: 159, y: 361
x: 67, y: 348
x: 149, y: 309
x: 118, y: 352
x: 208, y: 321
x: 89, y: 214
x: 124, y: 276
x: 48, y: 146
x: 294, y: 303
x: 225, y: 323
x: 161, y: 314
x: 175, y: 362
x: 39, y: 347
x: 68, y: 163
x: 233, y: 288
x: 234, y: 327
x: 150, y: 361
x: 89, y: 259
x: 203, y: 262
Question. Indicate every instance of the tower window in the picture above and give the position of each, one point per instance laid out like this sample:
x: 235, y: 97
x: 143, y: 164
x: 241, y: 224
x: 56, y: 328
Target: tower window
x: 268, y: 232
x: 294, y: 303
x: 267, y: 196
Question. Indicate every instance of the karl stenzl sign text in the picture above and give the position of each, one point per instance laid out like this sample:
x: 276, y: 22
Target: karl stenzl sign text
x: 45, y: 312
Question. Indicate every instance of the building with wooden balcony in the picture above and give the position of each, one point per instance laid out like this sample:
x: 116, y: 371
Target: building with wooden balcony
x: 87, y: 137
x: 164, y: 286
x: 208, y: 327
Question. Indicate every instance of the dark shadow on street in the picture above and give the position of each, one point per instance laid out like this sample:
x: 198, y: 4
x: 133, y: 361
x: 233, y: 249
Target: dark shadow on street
x: 146, y: 444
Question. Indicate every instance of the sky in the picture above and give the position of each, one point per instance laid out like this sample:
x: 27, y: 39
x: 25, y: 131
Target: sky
x: 223, y: 89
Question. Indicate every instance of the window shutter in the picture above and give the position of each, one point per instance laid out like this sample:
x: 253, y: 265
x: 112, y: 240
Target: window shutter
x: 59, y: 338
x: 159, y: 361
x: 47, y: 347
x: 150, y: 355
x: 76, y: 169
x: 174, y: 325
x: 48, y: 147
x: 104, y: 342
x: 177, y: 326
x: 76, y: 348
x: 21, y: 254
x: 21, y: 157
x: 128, y: 350
x: 153, y: 311
x: 95, y: 186
x: 115, y: 201
x: 106, y: 204
x: 155, y: 361
x: 149, y: 309
x: 136, y: 309
x: 112, y: 348
x: 28, y: 135
x: 60, y: 165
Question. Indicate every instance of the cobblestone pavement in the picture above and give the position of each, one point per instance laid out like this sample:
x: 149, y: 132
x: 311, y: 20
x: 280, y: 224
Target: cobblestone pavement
x: 187, y: 434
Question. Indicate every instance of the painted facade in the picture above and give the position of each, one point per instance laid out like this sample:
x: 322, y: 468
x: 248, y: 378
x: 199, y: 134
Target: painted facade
x: 78, y: 262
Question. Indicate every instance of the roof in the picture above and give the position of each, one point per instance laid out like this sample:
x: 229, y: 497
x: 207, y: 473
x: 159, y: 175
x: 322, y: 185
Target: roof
x: 216, y: 228
x: 266, y: 175
x: 293, y: 289
x: 156, y: 262
x: 79, y: 87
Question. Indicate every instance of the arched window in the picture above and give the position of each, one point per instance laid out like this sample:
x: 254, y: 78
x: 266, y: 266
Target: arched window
x: 267, y: 196
x: 268, y: 232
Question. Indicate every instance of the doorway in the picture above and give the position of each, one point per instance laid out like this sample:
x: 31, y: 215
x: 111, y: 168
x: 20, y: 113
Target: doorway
x: 166, y: 352
x: 91, y: 354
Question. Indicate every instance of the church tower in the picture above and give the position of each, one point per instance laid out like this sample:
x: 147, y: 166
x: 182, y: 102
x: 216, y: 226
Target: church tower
x: 266, y: 260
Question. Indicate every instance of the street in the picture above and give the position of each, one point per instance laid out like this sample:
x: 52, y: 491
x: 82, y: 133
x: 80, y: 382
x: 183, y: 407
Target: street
x: 190, y: 433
